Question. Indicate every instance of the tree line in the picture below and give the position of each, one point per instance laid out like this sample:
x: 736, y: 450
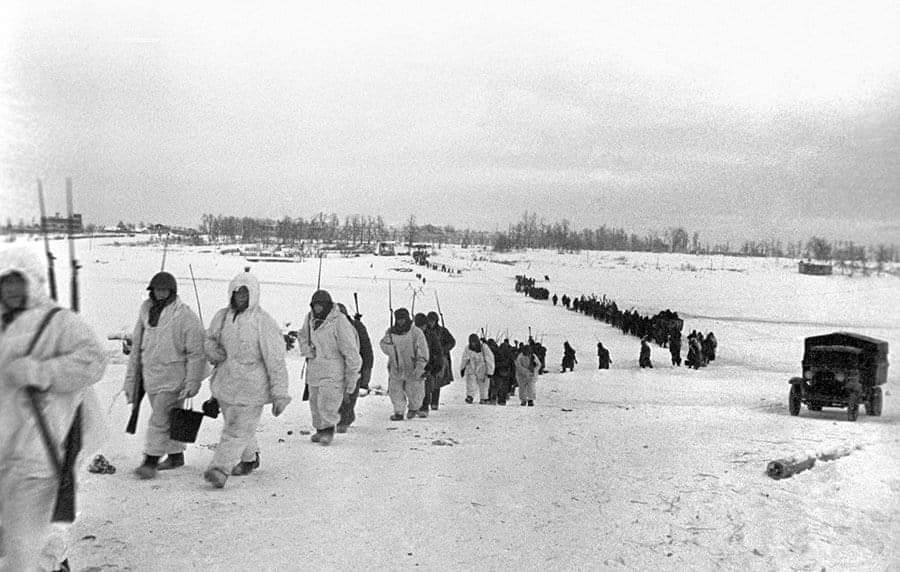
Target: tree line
x: 353, y: 230
x: 528, y: 232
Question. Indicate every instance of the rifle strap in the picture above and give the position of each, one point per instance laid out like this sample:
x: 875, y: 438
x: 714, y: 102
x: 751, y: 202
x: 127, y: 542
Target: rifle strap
x: 43, y: 326
x: 34, y: 396
x: 64, y: 509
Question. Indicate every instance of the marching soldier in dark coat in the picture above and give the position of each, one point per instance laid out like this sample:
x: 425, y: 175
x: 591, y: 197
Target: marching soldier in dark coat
x: 348, y: 406
x: 541, y: 352
x: 603, y: 356
x: 675, y: 348
x: 568, y: 361
x: 448, y: 342
x: 503, y: 372
x: 709, y: 347
x: 435, y: 366
x: 644, y: 360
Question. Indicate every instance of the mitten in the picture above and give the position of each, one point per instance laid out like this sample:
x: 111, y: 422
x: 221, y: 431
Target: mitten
x: 210, y: 407
x: 279, y: 405
x: 216, y: 354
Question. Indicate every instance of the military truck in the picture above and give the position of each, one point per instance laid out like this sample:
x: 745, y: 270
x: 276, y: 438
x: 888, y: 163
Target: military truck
x: 843, y: 370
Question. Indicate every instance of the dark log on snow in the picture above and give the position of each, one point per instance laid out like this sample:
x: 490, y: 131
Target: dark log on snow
x: 786, y: 468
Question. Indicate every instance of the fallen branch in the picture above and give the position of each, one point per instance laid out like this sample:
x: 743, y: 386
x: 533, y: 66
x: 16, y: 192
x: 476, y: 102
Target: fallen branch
x: 786, y: 468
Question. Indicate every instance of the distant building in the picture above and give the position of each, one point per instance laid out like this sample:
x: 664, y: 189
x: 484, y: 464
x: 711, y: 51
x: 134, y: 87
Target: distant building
x: 386, y: 248
x: 815, y: 269
x: 61, y: 224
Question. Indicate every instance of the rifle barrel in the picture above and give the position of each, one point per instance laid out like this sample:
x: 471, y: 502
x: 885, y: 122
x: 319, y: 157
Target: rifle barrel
x: 71, y: 232
x: 319, y: 279
x: 390, y: 334
x: 51, y: 271
x: 441, y: 314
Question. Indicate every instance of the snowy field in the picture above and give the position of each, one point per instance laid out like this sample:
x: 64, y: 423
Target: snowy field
x: 660, y: 469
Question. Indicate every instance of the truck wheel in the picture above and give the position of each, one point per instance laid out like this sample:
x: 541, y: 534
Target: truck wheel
x: 794, y: 400
x: 852, y: 411
x: 873, y: 405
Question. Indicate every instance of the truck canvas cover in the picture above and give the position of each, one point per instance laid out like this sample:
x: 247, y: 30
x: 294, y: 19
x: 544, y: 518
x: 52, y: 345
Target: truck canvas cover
x: 870, y: 346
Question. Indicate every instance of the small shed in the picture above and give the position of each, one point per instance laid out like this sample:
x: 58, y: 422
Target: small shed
x: 815, y: 269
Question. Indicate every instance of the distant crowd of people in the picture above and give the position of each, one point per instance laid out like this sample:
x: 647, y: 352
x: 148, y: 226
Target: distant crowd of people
x: 507, y: 367
x: 664, y: 328
x: 526, y: 285
x: 421, y: 258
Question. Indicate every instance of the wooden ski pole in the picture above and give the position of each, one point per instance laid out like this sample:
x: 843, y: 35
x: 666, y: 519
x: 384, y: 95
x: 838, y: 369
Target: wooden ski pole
x: 197, y: 294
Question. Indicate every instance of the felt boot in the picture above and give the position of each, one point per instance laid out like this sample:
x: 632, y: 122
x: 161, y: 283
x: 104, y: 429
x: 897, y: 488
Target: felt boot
x: 172, y: 461
x: 245, y: 467
x: 148, y: 469
x: 327, y: 436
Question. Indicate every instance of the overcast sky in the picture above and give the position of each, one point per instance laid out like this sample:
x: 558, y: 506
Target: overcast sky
x: 734, y: 119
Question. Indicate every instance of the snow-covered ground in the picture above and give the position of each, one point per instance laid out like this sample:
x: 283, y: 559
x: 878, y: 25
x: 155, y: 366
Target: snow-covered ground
x: 658, y: 469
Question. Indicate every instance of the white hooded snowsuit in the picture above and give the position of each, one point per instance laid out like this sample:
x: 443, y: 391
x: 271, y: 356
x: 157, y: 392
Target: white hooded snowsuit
x: 333, y: 365
x: 67, y: 360
x: 406, y: 383
x: 247, y: 350
x: 476, y: 367
x: 172, y: 357
x: 527, y: 367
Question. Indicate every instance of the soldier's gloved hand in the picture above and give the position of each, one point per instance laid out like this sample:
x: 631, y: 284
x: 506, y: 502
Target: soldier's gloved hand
x: 190, y: 390
x: 24, y: 372
x: 216, y: 354
x: 346, y: 399
x: 279, y: 405
x: 210, y: 407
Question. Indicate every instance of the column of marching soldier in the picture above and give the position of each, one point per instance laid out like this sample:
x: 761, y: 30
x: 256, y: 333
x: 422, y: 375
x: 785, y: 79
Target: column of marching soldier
x: 664, y: 328
x: 56, y: 357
